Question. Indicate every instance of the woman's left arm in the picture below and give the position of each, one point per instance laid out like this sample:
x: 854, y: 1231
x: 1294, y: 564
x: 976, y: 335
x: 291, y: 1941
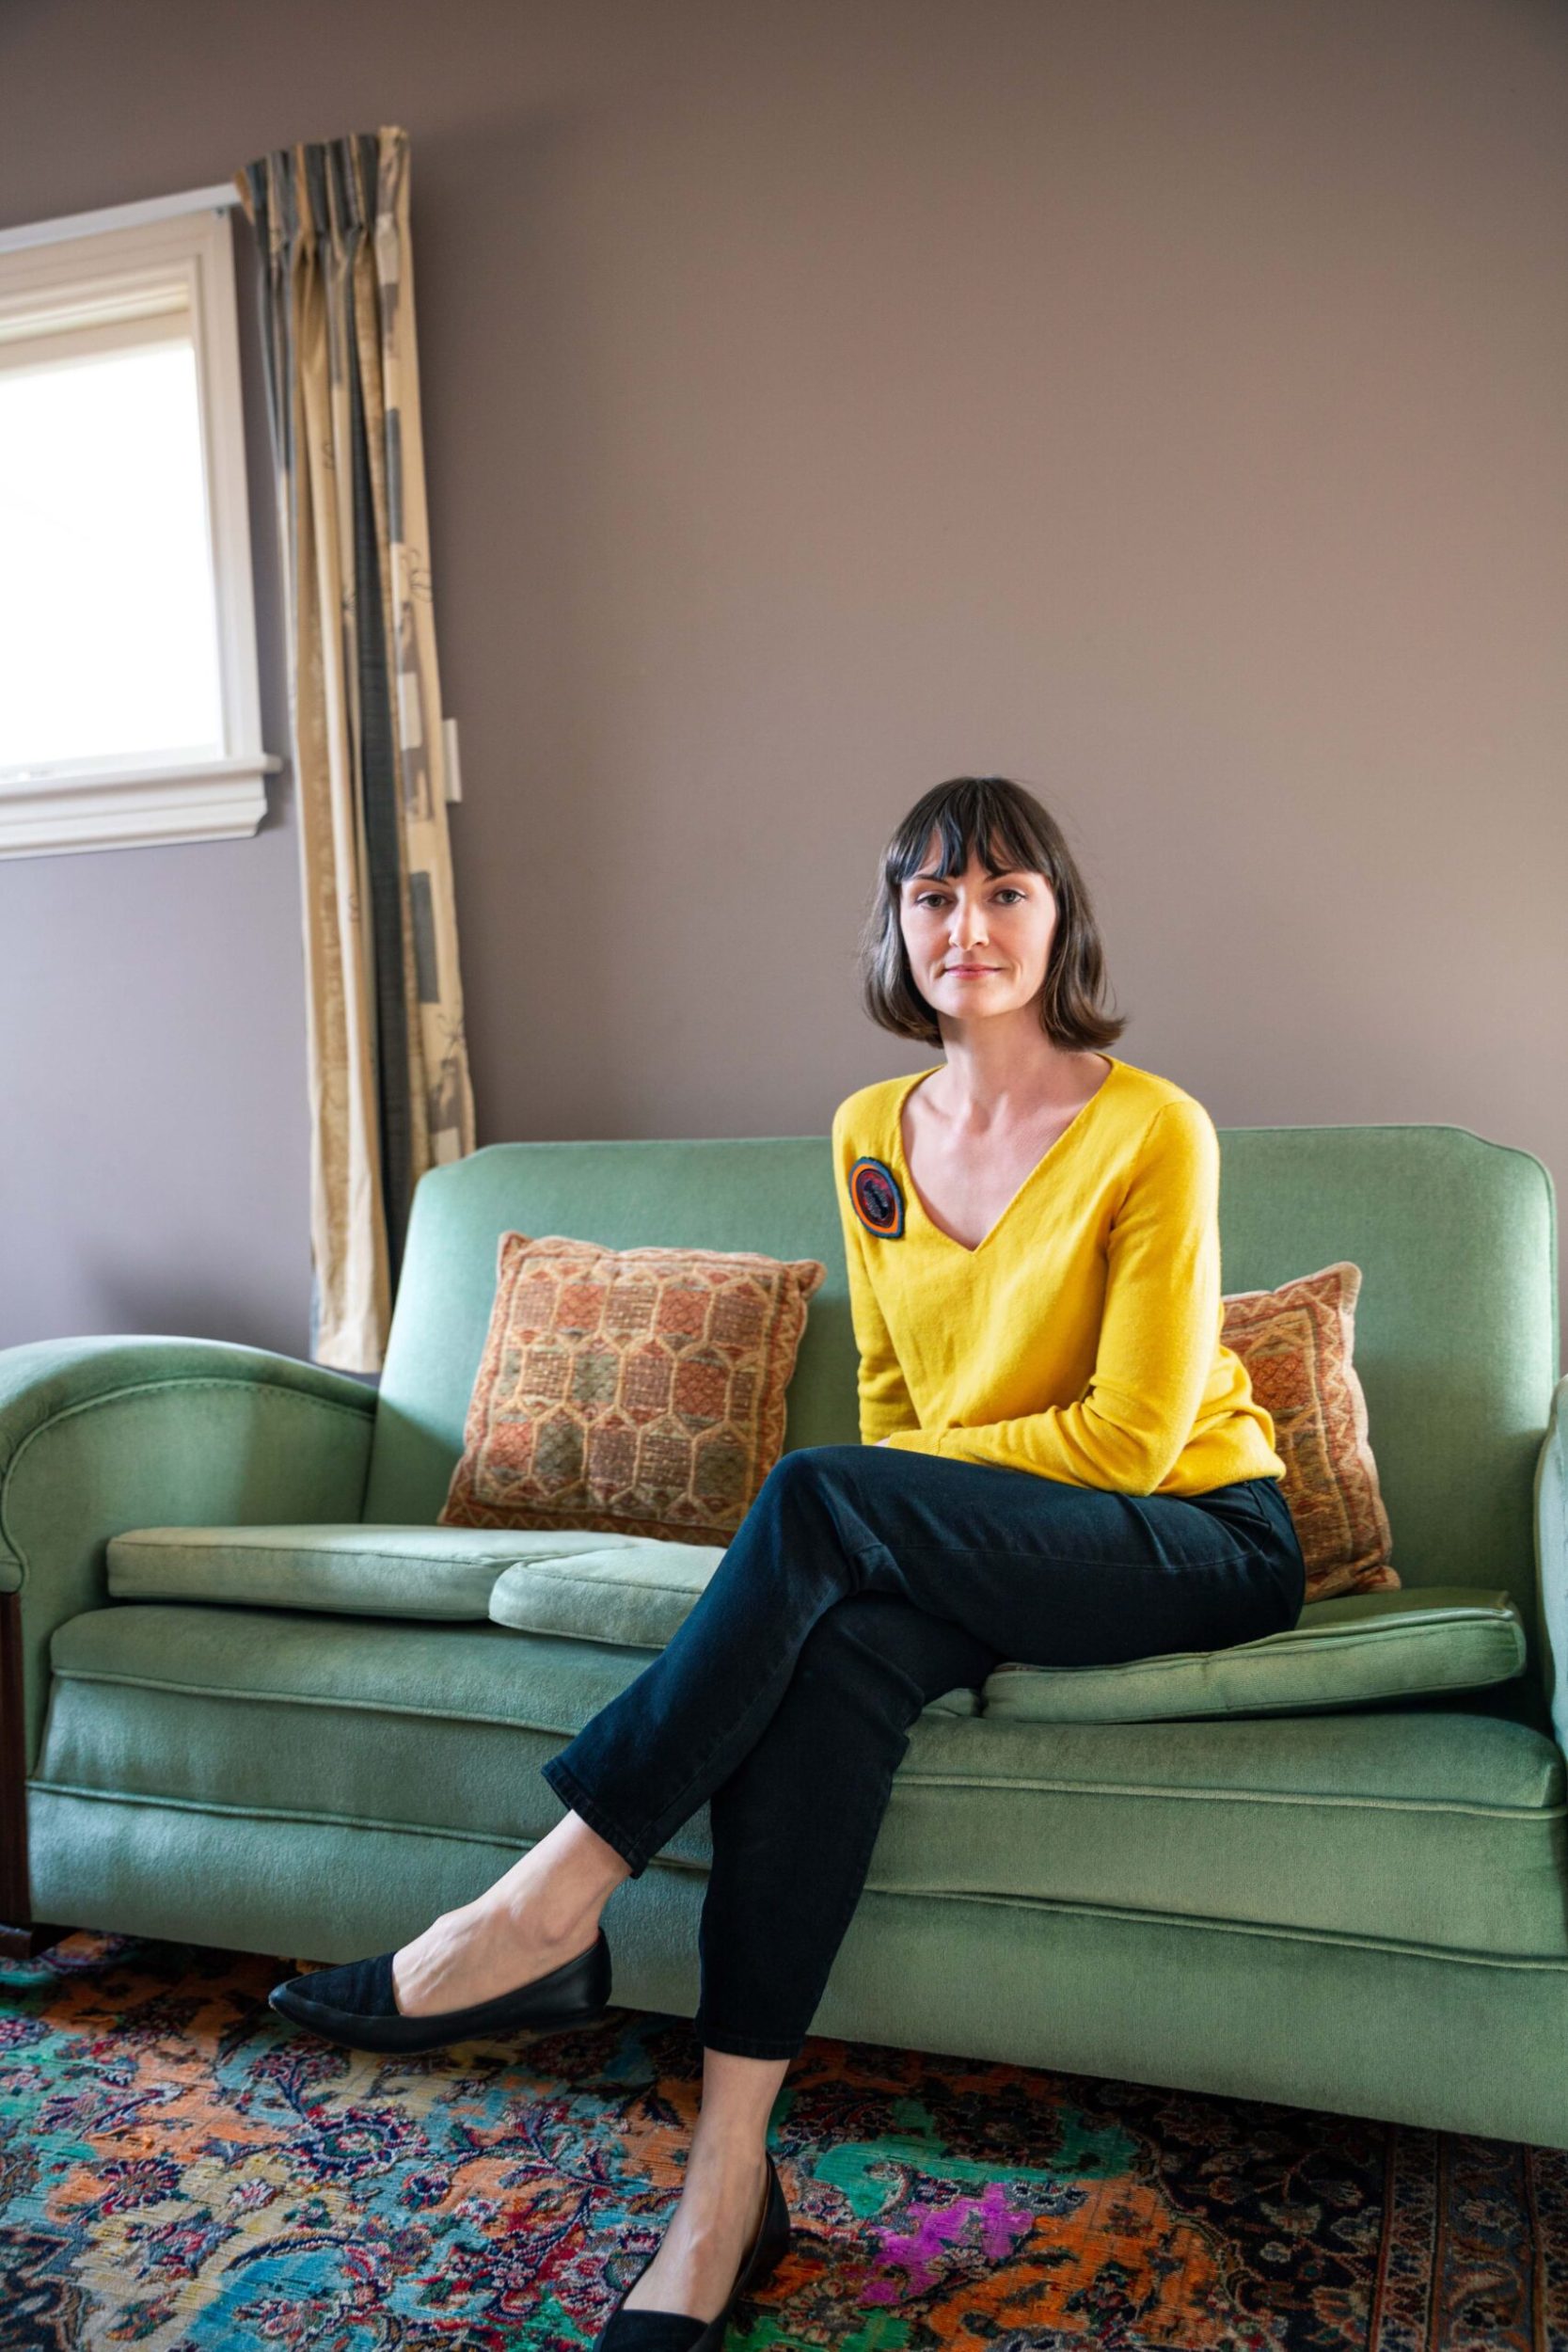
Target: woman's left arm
x: 1159, y: 1327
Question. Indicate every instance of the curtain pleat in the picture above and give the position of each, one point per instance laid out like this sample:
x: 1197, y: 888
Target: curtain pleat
x: 390, y: 1093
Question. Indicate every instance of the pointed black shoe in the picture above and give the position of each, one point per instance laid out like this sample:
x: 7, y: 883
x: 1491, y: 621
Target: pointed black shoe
x: 679, y: 2331
x: 355, y: 2005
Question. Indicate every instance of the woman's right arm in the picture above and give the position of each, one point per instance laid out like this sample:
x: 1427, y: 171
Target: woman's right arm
x: 885, y: 1403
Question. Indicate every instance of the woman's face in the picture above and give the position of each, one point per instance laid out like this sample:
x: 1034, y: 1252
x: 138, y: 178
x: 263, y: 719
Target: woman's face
x: 978, y: 944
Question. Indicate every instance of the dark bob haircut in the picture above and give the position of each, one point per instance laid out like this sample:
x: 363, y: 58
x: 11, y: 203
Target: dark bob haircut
x: 1013, y: 832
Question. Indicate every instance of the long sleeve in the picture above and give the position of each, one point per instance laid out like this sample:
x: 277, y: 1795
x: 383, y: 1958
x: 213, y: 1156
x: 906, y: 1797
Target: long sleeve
x: 1159, y: 1329
x: 885, y: 1403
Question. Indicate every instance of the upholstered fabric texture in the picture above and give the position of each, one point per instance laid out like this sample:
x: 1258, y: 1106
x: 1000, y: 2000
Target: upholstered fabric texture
x: 636, y: 1391
x: 428, y: 1572
x: 1441, y: 1830
x: 1353, y: 1651
x: 636, y: 1595
x: 1298, y: 1344
x: 635, y: 1592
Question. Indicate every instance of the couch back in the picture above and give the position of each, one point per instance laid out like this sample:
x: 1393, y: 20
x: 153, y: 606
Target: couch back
x: 1456, y: 1336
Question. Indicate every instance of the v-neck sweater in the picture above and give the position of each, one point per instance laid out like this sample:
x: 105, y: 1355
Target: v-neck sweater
x: 1080, y: 1338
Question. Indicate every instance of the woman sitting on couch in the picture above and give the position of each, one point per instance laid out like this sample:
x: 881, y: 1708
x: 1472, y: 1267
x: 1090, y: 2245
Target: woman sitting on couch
x: 1077, y: 1473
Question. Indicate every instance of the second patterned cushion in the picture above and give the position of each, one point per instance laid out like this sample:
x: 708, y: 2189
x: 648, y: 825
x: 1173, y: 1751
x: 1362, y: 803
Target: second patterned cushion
x: 1298, y: 1344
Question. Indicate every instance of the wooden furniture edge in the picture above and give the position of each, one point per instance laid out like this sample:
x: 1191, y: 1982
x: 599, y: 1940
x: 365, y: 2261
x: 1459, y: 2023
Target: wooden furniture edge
x: 22, y: 1937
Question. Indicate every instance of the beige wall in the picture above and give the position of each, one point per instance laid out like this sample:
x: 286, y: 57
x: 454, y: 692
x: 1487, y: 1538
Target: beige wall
x: 1161, y: 404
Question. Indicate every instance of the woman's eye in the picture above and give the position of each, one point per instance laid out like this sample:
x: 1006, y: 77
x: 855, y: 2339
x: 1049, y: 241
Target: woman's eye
x: 935, y: 897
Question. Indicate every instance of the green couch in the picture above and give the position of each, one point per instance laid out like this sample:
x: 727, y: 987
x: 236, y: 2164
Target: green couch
x: 261, y: 1700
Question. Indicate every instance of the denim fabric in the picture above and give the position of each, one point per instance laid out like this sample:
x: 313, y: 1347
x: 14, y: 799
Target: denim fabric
x: 864, y: 1582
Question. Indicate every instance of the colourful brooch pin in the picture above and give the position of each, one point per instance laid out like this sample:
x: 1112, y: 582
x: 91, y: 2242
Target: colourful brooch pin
x: 878, y: 1202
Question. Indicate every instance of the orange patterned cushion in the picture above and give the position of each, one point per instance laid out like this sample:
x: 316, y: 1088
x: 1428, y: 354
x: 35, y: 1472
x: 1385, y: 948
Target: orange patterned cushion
x: 631, y: 1392
x: 1296, y: 1343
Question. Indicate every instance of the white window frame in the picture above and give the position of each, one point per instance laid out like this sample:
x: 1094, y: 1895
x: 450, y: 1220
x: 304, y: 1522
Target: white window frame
x: 108, y: 261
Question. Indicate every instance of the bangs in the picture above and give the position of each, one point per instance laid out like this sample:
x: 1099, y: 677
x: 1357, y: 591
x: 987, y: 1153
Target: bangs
x: 970, y: 816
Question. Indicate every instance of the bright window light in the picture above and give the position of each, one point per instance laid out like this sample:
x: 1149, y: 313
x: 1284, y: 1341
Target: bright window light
x: 108, y: 628
x: 130, y: 715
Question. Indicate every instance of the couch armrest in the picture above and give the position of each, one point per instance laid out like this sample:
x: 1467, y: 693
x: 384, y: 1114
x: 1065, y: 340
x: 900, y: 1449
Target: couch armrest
x: 99, y: 1435
x: 1551, y: 1559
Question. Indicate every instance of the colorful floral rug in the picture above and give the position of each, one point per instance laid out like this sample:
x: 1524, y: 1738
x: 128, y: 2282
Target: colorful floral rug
x: 178, y: 2171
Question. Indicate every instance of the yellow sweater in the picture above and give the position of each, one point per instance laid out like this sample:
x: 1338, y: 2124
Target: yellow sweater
x: 1081, y: 1340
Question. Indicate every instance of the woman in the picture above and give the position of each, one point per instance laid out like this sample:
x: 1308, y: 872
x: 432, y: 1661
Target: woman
x: 1077, y: 1472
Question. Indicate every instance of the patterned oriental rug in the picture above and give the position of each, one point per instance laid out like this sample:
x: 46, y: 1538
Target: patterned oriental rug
x: 179, y: 2172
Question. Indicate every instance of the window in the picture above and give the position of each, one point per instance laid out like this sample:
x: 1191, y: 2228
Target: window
x: 129, y: 712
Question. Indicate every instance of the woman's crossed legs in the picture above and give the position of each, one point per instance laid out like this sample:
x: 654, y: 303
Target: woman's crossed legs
x: 863, y: 1583
x: 983, y: 1564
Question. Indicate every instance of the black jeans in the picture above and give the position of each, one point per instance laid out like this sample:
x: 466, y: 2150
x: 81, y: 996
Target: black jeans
x: 863, y: 1583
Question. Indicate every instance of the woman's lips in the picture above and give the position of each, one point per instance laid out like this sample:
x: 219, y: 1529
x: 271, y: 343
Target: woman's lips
x: 968, y: 970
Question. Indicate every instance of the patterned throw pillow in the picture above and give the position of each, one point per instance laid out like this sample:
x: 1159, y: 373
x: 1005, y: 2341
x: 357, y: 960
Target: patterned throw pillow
x: 1297, y: 1343
x: 631, y: 1392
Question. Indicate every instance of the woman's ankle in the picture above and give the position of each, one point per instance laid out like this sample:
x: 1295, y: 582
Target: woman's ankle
x: 557, y: 1890
x: 547, y: 1915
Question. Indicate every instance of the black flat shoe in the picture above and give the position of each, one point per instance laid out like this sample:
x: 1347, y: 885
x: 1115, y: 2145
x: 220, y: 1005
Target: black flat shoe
x: 679, y: 2331
x: 356, y: 2004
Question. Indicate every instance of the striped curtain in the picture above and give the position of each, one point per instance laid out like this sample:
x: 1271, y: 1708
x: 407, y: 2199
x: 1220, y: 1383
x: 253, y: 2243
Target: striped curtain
x: 389, y: 1070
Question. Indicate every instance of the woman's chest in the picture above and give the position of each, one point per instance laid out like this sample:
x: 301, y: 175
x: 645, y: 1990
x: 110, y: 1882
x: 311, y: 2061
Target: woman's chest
x: 972, y: 1186
x: 965, y: 1191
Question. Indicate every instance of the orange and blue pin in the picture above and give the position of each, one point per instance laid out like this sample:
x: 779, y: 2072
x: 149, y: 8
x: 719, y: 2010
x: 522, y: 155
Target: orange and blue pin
x: 879, y: 1203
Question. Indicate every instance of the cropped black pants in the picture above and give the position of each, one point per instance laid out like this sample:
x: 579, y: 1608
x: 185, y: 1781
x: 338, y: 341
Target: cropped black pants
x: 863, y: 1583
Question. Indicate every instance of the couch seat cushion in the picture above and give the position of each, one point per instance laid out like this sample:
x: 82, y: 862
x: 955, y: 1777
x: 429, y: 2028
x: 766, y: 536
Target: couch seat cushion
x: 1352, y: 1651
x: 635, y: 1591
x: 359, y: 1570
x: 1433, y: 1828
x: 1347, y: 1652
x: 637, y: 1597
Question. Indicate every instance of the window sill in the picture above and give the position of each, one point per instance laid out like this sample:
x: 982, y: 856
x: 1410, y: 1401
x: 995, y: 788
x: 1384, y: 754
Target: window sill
x: 134, y: 808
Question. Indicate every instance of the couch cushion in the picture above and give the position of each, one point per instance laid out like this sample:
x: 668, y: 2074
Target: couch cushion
x: 637, y: 1597
x: 632, y: 1392
x: 623, y: 1590
x: 1430, y: 1828
x: 634, y: 1592
x: 1347, y: 1652
x: 1298, y: 1344
x: 377, y: 1571
x: 1352, y: 1651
